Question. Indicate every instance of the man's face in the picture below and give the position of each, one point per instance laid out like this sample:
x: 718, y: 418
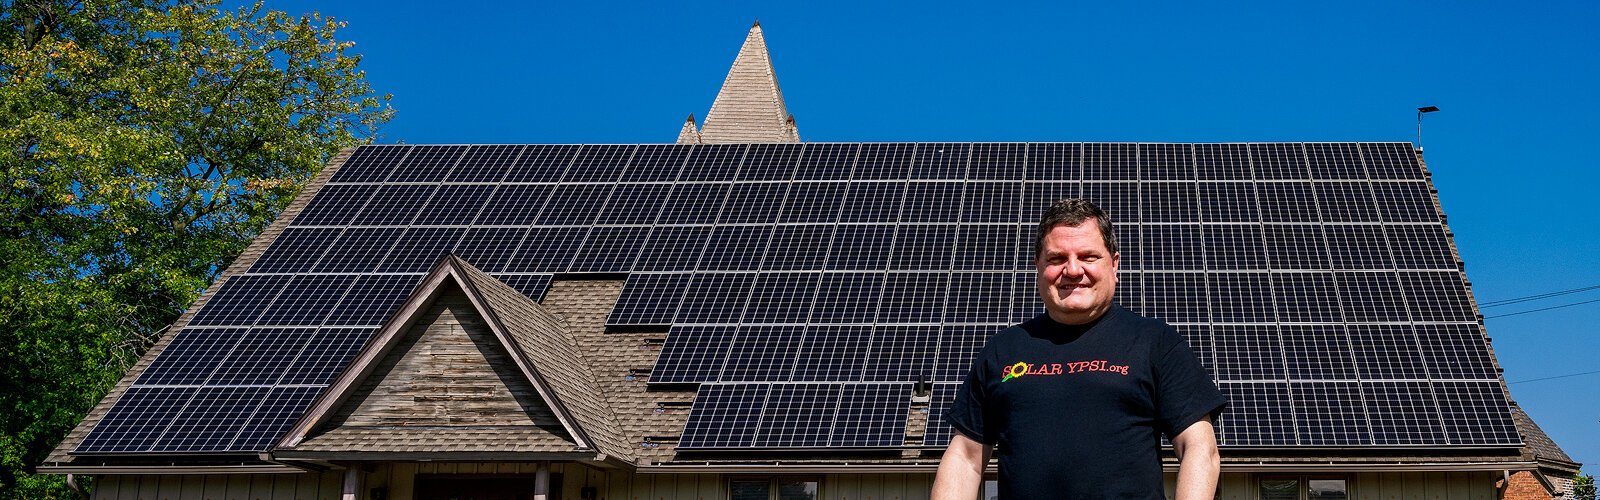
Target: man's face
x: 1077, y: 275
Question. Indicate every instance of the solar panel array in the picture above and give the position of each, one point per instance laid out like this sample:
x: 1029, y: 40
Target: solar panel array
x: 1316, y: 281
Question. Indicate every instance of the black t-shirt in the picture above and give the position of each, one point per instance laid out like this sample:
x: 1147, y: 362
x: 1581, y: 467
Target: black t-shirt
x: 1077, y: 411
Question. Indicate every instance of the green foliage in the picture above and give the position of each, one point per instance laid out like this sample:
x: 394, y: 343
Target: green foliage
x: 1583, y: 487
x: 143, y: 144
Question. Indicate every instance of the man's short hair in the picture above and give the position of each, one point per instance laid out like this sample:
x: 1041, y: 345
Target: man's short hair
x: 1072, y: 212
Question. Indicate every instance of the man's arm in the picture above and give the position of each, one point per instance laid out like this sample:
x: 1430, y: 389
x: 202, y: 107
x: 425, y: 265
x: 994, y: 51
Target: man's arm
x: 1198, y: 461
x: 961, y: 469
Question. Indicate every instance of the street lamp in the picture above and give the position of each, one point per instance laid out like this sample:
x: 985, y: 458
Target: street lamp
x: 1420, y: 111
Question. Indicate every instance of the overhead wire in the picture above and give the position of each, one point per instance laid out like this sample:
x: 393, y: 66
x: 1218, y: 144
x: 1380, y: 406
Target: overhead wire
x: 1591, y: 301
x: 1546, y: 295
x: 1555, y: 377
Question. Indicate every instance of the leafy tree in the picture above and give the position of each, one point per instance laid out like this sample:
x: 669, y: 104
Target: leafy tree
x: 1583, y: 487
x: 143, y: 143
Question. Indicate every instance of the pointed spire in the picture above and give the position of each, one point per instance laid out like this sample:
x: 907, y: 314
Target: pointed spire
x: 689, y: 134
x: 749, y: 108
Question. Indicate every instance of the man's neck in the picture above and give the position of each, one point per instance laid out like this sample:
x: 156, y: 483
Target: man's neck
x: 1080, y: 318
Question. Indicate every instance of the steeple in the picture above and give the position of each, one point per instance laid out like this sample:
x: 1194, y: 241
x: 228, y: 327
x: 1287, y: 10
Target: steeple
x: 749, y: 108
x: 689, y: 135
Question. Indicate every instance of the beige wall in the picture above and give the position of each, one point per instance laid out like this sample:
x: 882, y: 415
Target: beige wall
x: 398, y: 480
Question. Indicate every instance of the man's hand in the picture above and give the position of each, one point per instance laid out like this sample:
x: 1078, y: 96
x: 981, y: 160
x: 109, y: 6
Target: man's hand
x: 1198, y: 461
x: 961, y: 469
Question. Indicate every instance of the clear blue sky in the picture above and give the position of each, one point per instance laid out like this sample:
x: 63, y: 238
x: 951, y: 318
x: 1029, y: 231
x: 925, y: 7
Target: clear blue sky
x: 1511, y: 152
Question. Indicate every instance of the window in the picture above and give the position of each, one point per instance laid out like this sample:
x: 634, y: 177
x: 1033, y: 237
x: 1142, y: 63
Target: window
x: 1304, y: 488
x: 774, y: 489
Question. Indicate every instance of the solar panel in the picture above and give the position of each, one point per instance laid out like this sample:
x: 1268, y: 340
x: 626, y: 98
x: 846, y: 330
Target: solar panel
x: 609, y: 249
x: 832, y: 353
x: 724, y: 416
x: 426, y: 164
x: 798, y: 416
x: 798, y: 247
x: 483, y: 164
x: 873, y: 202
x: 656, y: 163
x: 335, y: 205
x: 541, y: 163
x: 827, y: 161
x: 1315, y: 281
x: 901, y: 353
x: 998, y: 162
x: 762, y: 353
x: 1329, y: 413
x: 693, y: 354
x: 296, y: 249
x: 1259, y: 414
x: 847, y: 297
x: 883, y: 162
x: 871, y: 416
x: 939, y: 431
x: 601, y: 163
x: 649, y: 299
x: 769, y: 162
x: 714, y: 162
x: 1410, y: 416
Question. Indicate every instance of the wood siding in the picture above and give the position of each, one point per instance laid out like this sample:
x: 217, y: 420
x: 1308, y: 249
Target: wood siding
x: 448, y: 370
x: 399, y: 480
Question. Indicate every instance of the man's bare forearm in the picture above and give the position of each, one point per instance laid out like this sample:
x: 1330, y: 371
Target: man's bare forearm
x: 1199, y: 464
x: 960, y: 470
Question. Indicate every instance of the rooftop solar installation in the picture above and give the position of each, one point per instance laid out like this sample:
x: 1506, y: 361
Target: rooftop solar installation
x: 806, y: 289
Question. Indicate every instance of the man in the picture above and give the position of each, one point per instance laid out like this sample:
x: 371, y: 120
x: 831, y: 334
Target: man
x: 1077, y: 398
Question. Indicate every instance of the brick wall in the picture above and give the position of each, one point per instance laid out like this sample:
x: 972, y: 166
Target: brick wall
x: 1523, y: 486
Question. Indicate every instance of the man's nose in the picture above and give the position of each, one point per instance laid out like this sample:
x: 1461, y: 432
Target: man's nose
x: 1073, y: 269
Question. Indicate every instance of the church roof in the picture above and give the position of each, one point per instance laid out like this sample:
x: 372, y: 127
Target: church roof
x: 749, y: 108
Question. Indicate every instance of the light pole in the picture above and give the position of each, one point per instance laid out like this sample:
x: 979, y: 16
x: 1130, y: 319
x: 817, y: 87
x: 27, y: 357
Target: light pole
x: 1420, y: 111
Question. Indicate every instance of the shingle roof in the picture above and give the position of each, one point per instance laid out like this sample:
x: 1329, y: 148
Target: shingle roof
x: 1539, y: 443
